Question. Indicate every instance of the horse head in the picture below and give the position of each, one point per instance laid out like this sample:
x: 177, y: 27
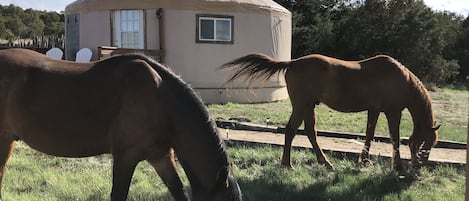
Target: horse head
x: 421, y: 143
x: 229, y: 188
x: 225, y: 188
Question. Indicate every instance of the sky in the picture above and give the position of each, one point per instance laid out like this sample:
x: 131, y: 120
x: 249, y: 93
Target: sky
x: 457, y: 6
x: 49, y: 5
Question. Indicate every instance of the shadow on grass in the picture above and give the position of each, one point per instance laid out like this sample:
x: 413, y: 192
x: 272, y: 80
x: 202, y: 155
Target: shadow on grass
x: 350, y: 185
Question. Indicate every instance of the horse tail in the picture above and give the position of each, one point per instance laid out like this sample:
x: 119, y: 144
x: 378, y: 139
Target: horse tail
x: 255, y: 66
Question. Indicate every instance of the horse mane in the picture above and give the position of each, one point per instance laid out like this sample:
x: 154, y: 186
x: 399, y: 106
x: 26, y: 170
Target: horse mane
x: 255, y: 66
x: 184, y: 91
x: 190, y: 99
x: 422, y: 94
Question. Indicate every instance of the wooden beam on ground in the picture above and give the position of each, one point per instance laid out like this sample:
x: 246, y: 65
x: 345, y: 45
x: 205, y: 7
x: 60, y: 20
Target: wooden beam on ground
x: 438, y: 155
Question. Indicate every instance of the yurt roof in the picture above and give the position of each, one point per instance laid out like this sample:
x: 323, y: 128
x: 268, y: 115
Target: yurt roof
x: 248, y: 6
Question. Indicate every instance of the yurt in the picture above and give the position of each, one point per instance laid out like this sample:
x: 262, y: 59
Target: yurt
x: 192, y: 37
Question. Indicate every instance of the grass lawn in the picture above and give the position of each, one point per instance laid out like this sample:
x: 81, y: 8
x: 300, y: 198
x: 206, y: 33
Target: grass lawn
x: 261, y: 178
x: 450, y: 109
x: 32, y: 176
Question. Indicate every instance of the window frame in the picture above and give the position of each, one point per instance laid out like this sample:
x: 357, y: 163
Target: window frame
x: 117, y: 33
x: 199, y: 17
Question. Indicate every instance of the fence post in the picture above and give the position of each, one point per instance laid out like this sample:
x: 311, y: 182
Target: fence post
x: 467, y: 159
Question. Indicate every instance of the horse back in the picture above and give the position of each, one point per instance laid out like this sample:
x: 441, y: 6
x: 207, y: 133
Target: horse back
x: 79, y: 107
x: 349, y: 86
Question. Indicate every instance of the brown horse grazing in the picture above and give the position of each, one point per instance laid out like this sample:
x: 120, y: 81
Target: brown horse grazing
x: 378, y: 84
x: 128, y: 106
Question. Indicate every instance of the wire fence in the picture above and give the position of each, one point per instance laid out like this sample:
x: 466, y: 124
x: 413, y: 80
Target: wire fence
x: 37, y: 42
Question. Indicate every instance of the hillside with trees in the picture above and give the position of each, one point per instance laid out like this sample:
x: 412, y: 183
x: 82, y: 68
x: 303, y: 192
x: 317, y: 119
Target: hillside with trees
x: 16, y: 23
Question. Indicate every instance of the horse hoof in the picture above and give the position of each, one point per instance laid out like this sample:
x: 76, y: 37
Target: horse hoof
x: 415, y: 165
x: 366, y: 163
x: 288, y: 166
x: 328, y: 165
x: 406, y: 176
x: 400, y: 168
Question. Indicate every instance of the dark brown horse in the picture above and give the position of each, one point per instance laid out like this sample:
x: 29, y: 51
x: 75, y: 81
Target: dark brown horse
x: 128, y: 106
x: 378, y: 84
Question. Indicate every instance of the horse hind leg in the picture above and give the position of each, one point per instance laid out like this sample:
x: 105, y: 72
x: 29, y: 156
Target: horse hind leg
x: 364, y: 157
x: 166, y: 168
x: 310, y: 128
x: 6, y: 148
x: 290, y: 130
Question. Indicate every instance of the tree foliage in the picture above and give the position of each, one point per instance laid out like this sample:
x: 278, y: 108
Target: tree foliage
x: 461, y: 50
x: 432, y: 44
x: 18, y: 23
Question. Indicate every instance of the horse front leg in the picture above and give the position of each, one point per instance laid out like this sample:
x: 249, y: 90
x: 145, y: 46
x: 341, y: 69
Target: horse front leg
x: 311, y: 132
x: 6, y: 147
x: 290, y: 131
x: 166, y: 168
x: 364, y: 157
x: 414, y: 146
x: 122, y: 170
x: 394, y: 121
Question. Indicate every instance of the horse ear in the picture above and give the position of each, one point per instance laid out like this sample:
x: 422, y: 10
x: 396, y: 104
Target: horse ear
x: 435, y: 128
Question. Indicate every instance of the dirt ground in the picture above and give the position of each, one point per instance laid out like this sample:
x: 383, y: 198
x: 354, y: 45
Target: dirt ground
x: 342, y: 145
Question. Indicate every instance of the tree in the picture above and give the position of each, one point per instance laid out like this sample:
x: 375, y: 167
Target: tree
x: 313, y: 25
x: 462, y: 51
x: 17, y: 23
x: 3, y: 34
x: 54, y: 23
x: 14, y: 25
x: 34, y: 23
x: 422, y: 37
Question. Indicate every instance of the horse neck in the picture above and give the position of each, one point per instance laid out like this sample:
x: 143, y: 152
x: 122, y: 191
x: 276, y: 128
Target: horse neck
x: 196, y: 141
x: 194, y: 137
x: 421, y: 108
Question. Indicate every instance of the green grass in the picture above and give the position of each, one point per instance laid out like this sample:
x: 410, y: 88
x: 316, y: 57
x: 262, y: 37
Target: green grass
x: 34, y: 176
x: 258, y: 171
x: 450, y: 108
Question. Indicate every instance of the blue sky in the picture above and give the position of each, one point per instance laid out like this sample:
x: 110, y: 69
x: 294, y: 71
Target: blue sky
x: 458, y: 6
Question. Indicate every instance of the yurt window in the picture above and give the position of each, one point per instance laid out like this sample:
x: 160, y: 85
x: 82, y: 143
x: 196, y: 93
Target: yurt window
x: 218, y: 29
x: 128, y: 29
